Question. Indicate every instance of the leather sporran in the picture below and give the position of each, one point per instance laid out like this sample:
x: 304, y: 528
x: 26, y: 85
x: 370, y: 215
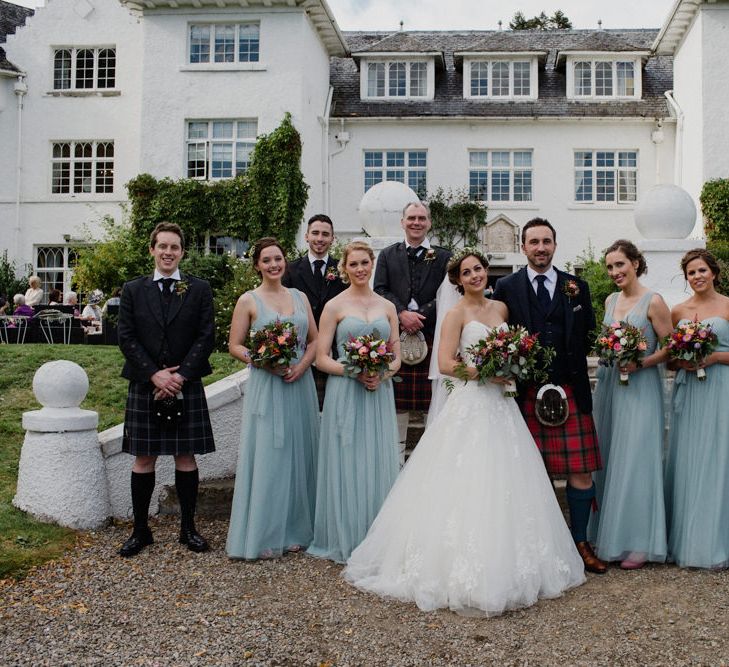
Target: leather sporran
x: 168, y: 410
x: 552, y: 408
x: 413, y: 348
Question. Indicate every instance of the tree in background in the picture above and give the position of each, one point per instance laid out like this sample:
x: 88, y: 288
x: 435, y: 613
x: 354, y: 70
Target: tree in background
x: 456, y: 219
x: 9, y: 284
x: 558, y: 21
x: 714, y: 200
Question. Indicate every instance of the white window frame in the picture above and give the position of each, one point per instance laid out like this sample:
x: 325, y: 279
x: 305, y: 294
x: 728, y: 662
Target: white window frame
x: 210, y: 144
x: 73, y: 81
x: 491, y: 61
x: 513, y: 170
x: 45, y: 273
x: 386, y: 62
x: 79, y: 165
x: 387, y: 169
x: 625, y: 177
x: 614, y: 59
x: 211, y: 63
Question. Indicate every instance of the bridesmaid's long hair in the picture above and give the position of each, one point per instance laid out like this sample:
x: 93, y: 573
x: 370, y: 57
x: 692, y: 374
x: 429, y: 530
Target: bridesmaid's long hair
x: 630, y: 250
x: 349, y: 248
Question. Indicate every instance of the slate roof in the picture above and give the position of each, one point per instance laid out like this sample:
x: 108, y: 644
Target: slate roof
x: 552, y: 102
x: 11, y: 17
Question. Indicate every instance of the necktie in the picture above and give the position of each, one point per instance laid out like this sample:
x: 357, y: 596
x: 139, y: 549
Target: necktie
x: 167, y: 292
x: 413, y: 252
x: 318, y: 276
x: 543, y: 293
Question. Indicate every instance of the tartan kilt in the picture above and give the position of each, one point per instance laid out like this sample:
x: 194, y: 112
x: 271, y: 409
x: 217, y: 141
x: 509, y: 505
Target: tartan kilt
x: 414, y: 392
x: 320, y: 382
x: 569, y: 448
x: 145, y: 435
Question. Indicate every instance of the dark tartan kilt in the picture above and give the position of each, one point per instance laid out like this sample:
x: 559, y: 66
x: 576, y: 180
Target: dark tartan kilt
x: 320, y: 381
x: 145, y: 435
x: 569, y: 448
x: 414, y: 392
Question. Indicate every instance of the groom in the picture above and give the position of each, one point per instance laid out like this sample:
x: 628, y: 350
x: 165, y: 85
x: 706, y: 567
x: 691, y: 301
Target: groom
x: 557, y: 305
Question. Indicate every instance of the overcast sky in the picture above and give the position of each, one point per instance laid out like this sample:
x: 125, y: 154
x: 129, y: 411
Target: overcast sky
x: 484, y: 14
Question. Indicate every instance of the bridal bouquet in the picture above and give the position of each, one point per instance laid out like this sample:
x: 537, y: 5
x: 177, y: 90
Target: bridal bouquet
x: 273, y: 345
x: 620, y: 343
x: 511, y: 353
x: 367, y: 354
x: 693, y: 342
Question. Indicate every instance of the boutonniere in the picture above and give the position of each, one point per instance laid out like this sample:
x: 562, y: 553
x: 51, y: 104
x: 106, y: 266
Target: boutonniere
x: 571, y: 289
x: 330, y: 275
x: 181, y: 287
x: 429, y: 255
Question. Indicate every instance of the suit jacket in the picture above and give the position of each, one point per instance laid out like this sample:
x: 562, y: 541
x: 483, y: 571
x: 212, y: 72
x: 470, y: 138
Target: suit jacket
x: 579, y: 323
x: 147, y: 339
x: 300, y: 276
x: 392, y: 280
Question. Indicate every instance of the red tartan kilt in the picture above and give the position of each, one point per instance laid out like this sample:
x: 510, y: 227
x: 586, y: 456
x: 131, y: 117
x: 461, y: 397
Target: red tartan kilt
x: 414, y: 391
x: 569, y: 448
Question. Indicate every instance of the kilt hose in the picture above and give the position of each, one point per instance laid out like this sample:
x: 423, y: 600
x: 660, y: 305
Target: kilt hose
x: 414, y: 392
x: 146, y: 435
x: 569, y: 448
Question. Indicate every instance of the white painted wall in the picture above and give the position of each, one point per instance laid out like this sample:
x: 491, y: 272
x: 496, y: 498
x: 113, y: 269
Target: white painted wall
x: 552, y: 142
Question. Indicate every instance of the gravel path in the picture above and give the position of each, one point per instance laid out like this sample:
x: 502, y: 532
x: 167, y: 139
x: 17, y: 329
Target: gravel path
x: 172, y: 607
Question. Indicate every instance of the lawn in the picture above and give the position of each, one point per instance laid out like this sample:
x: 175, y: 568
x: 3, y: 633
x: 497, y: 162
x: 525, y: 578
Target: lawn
x: 25, y: 542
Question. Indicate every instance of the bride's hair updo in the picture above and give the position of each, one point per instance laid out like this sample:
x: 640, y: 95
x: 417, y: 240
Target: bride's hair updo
x: 454, y: 265
x: 629, y: 249
x: 260, y: 245
x: 349, y: 248
x: 706, y: 256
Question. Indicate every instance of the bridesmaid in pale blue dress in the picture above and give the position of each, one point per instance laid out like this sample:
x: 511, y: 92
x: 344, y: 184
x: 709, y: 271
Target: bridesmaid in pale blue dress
x: 630, y: 524
x: 275, y: 482
x: 358, y: 448
x: 697, y: 471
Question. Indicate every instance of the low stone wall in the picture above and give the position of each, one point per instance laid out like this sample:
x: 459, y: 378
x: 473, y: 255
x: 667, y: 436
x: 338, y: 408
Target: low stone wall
x: 225, y: 402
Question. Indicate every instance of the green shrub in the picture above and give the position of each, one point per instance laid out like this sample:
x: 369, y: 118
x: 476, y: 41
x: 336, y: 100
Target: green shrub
x: 244, y: 278
x: 714, y: 200
x: 592, y: 271
x: 10, y: 285
x: 457, y: 220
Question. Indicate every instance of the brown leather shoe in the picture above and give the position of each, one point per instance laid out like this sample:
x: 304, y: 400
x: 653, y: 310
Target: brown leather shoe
x: 591, y: 561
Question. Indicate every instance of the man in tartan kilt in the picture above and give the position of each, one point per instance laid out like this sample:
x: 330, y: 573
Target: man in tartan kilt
x: 557, y: 305
x: 409, y: 274
x: 166, y: 333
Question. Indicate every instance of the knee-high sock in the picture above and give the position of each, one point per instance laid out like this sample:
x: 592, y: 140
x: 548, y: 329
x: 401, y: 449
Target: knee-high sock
x: 580, y: 504
x: 186, y: 483
x: 142, y: 488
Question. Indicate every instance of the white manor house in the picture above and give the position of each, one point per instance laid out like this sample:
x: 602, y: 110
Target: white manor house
x: 569, y: 125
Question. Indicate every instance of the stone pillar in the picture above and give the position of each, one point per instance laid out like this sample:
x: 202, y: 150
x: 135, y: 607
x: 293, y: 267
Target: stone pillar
x: 61, y: 476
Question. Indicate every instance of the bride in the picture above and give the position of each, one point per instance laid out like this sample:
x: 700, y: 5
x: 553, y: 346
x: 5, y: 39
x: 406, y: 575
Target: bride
x: 472, y: 522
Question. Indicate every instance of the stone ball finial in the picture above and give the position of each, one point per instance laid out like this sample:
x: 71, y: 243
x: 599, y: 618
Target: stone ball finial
x: 380, y: 210
x: 60, y: 384
x: 665, y: 212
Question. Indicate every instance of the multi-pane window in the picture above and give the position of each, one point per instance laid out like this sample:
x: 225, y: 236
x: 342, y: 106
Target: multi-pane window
x: 84, y: 69
x: 54, y: 266
x: 606, y: 176
x: 500, y: 176
x: 501, y: 78
x: 604, y: 78
x: 397, y: 79
x: 219, y: 148
x: 227, y: 245
x: 82, y: 167
x: 408, y: 167
x: 224, y: 43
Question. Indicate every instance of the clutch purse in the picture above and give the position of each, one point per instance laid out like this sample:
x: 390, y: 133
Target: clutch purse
x: 552, y: 408
x: 413, y: 348
x: 169, y: 410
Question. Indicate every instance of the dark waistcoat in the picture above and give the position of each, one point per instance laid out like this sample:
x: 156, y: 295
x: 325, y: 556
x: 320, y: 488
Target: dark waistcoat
x: 550, y: 326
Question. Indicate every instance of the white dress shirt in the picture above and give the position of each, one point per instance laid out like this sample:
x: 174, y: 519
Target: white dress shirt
x: 550, y: 283
x: 158, y: 278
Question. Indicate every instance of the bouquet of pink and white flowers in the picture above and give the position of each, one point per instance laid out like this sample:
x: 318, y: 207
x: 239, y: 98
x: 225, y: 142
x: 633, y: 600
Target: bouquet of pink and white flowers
x: 512, y: 353
x: 620, y: 343
x: 274, y: 344
x: 692, y: 342
x: 369, y: 354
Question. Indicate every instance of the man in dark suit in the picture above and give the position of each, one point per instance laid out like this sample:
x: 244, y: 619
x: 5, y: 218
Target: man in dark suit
x: 316, y: 275
x: 409, y: 274
x: 558, y: 306
x: 166, y: 332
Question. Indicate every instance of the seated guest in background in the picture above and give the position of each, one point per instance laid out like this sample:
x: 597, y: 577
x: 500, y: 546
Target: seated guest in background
x: 92, y: 312
x: 71, y: 299
x: 21, y: 307
x: 55, y: 298
x: 113, y: 300
x: 34, y: 294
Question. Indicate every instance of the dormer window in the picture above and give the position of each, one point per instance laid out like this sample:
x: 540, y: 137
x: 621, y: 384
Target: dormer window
x: 604, y: 78
x: 396, y: 79
x: 500, y: 79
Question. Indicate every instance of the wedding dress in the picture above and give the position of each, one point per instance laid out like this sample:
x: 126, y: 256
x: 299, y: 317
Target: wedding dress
x: 472, y: 522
